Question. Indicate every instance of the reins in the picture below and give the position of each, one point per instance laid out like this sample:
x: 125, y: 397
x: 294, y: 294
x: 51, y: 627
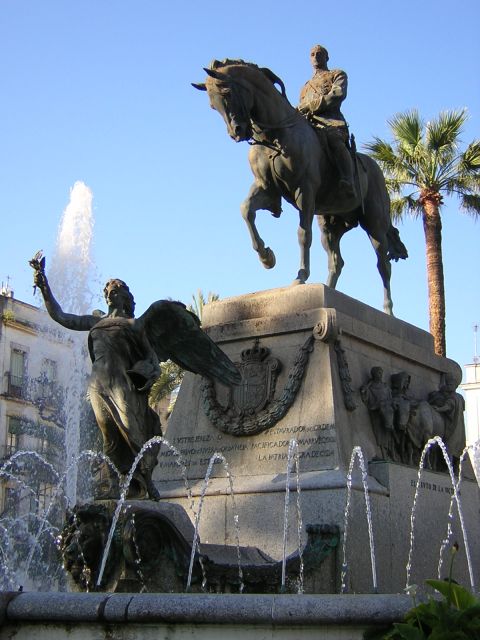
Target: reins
x: 257, y: 126
x: 289, y: 121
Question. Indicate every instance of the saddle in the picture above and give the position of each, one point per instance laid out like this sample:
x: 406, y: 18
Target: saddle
x: 327, y: 133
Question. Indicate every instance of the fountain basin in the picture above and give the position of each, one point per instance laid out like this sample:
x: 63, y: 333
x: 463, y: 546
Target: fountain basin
x: 92, y: 615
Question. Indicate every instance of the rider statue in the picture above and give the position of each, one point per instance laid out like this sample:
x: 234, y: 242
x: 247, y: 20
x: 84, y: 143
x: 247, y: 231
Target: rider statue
x: 320, y: 100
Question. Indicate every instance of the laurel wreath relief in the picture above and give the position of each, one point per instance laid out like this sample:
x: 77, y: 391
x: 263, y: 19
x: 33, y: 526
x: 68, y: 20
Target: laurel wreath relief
x: 227, y: 420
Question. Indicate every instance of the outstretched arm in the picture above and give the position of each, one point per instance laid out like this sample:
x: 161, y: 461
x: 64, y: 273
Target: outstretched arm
x: 68, y: 320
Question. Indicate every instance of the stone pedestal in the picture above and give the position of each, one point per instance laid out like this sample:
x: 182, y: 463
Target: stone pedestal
x: 305, y: 352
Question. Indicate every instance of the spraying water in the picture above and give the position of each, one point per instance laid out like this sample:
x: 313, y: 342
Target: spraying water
x: 358, y: 453
x: 436, y: 440
x: 195, y: 546
x: 448, y: 538
x: 71, y: 266
x: 70, y: 273
x: 292, y: 460
x: 28, y: 531
x: 124, y: 490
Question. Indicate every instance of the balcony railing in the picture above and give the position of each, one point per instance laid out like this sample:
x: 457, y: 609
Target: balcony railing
x: 7, y: 450
x: 16, y: 386
x: 44, y: 393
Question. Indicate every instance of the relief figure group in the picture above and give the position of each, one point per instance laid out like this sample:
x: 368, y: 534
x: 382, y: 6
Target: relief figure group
x: 403, y: 424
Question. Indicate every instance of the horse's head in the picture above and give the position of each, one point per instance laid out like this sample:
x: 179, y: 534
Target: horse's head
x: 232, y: 99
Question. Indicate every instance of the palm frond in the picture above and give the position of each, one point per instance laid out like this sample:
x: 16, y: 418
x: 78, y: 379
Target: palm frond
x: 199, y: 301
x: 469, y: 160
x: 394, y: 185
x: 397, y: 209
x: 170, y: 377
x: 448, y: 172
x: 407, y: 129
x: 405, y: 204
x: 462, y: 183
x: 412, y: 156
x: 381, y: 151
x: 442, y: 133
x: 393, y: 164
x: 471, y: 203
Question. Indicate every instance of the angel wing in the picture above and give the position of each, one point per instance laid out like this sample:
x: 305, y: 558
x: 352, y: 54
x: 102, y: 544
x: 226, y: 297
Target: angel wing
x: 175, y: 334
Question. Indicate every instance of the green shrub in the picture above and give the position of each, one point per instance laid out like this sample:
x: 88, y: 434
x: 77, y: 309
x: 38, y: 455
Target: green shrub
x: 454, y: 616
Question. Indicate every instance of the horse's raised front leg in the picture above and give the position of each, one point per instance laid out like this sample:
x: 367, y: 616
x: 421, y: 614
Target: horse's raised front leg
x: 332, y: 230
x: 259, y: 198
x: 305, y: 205
x: 385, y: 270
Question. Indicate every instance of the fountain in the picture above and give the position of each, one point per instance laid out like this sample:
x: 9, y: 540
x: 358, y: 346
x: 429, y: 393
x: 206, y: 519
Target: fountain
x: 166, y: 608
x: 284, y: 416
x: 305, y: 401
x: 295, y: 386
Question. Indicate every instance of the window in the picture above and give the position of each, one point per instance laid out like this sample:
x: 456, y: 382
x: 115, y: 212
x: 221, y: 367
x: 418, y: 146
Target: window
x: 42, y: 445
x: 13, y: 434
x: 11, y: 501
x: 48, y: 378
x: 45, y: 493
x: 18, y: 360
x: 12, y: 443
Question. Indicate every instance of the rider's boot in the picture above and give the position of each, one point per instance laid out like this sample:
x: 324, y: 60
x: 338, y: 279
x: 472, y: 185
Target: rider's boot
x: 345, y: 169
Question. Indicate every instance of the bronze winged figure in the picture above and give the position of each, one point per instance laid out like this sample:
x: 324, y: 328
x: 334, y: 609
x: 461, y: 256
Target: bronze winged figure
x: 125, y: 353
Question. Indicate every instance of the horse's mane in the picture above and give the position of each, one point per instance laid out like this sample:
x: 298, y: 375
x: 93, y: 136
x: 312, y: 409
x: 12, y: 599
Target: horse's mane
x: 216, y: 64
x: 268, y: 73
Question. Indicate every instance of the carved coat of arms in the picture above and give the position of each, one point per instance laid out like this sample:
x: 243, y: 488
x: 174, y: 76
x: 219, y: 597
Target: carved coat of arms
x: 259, y: 375
x: 251, y: 407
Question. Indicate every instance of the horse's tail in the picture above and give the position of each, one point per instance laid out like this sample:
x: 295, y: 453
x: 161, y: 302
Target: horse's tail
x: 396, y: 249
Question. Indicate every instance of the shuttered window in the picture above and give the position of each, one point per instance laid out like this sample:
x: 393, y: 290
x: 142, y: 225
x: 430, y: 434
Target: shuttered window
x: 17, y: 372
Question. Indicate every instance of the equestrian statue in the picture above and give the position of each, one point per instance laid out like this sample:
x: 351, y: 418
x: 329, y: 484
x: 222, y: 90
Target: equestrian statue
x: 305, y: 156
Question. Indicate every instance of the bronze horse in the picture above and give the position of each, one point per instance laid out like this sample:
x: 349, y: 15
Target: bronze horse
x: 290, y: 159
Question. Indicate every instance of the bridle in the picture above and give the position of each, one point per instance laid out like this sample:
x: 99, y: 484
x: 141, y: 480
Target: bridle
x: 256, y: 125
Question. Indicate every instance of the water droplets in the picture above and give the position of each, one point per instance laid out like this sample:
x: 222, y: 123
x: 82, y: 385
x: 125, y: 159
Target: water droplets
x: 292, y: 461
x: 454, y: 499
x: 358, y: 454
x: 195, y: 545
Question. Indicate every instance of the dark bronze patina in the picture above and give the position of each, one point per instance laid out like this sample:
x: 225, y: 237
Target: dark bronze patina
x: 291, y: 159
x: 125, y: 353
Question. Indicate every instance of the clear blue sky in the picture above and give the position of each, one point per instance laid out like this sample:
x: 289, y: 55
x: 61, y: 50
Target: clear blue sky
x: 99, y: 91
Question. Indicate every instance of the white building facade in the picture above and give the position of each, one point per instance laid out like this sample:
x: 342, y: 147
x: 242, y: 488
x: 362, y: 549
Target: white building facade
x: 471, y: 389
x: 34, y: 359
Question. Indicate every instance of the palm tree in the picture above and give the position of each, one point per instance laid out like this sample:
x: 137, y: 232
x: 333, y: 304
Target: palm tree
x: 171, y: 375
x: 170, y: 378
x: 422, y: 165
x: 199, y: 301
